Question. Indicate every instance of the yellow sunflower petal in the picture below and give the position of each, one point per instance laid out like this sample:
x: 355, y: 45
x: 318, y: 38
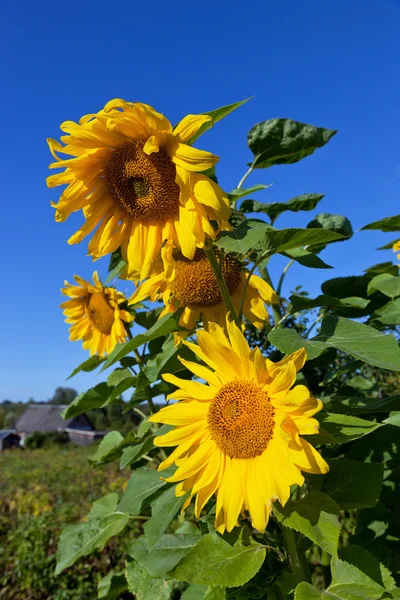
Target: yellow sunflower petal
x: 189, y: 126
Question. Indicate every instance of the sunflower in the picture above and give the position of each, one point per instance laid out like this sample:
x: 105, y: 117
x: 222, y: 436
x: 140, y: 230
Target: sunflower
x: 194, y: 286
x: 238, y: 436
x: 95, y: 314
x: 396, y: 248
x: 139, y: 182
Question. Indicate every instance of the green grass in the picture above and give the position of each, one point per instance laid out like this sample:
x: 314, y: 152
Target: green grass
x: 41, y: 492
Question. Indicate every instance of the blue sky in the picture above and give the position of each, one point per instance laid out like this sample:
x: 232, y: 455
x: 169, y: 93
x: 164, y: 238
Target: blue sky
x: 334, y: 64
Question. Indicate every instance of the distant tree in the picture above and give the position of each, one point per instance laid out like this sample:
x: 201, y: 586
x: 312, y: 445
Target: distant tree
x: 7, y: 402
x: 31, y: 400
x: 9, y: 420
x: 63, y: 395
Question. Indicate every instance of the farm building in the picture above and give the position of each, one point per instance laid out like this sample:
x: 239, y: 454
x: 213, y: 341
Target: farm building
x: 9, y: 439
x: 47, y: 418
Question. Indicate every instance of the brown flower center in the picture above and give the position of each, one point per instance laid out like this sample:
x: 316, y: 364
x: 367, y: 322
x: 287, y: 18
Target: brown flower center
x: 241, y: 419
x: 143, y: 186
x: 194, y: 283
x: 100, y: 313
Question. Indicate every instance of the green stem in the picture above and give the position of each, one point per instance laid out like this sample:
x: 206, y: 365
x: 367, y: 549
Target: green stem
x: 298, y: 563
x: 245, y: 176
x: 276, y: 309
x: 282, y: 277
x: 317, y: 320
x: 215, y: 266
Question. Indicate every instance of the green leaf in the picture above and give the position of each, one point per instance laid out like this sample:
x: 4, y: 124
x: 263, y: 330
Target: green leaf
x: 109, y: 448
x: 385, y: 267
x: 390, y: 245
x: 336, y: 223
x: 214, y: 562
x: 353, y: 484
x: 307, y: 258
x: 117, y: 376
x: 239, y: 193
x: 315, y: 516
x: 345, y: 428
x: 304, y: 303
x: 360, y: 341
x: 194, y: 592
x: 385, y: 283
x: 111, y: 586
x: 357, y: 570
x: 217, y: 115
x: 387, y: 224
x: 142, y: 488
x: 144, y: 586
x: 132, y: 454
x: 257, y: 235
x: 389, y: 314
x: 305, y: 591
x: 284, y: 141
x: 163, y: 510
x: 88, y: 365
x: 304, y: 202
x: 167, y: 324
x: 345, y: 287
x: 116, y: 265
x: 82, y: 539
x: 359, y: 405
x: 170, y: 549
x: 288, y: 341
x: 96, y: 397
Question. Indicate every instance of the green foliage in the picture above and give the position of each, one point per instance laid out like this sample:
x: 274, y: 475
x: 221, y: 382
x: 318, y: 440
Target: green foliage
x: 273, y: 210
x: 217, y: 115
x: 284, y: 141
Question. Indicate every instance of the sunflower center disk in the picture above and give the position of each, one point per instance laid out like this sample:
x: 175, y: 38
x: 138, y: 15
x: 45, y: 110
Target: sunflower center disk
x: 143, y: 186
x: 241, y: 419
x: 195, y: 284
x: 100, y: 313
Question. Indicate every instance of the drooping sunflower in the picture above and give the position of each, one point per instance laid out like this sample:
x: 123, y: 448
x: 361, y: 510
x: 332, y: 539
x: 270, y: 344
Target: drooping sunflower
x: 95, y: 315
x: 139, y: 183
x: 194, y: 286
x: 239, y: 435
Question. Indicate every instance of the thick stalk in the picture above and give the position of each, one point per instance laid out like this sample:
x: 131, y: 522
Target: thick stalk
x: 298, y: 563
x: 221, y: 283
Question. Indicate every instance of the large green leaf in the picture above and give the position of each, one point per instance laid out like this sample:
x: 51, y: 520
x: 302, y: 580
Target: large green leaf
x: 305, y: 303
x: 163, y: 510
x: 389, y: 314
x: 104, y: 521
x: 336, y: 223
x: 315, y: 516
x: 387, y: 224
x: 144, y: 586
x: 359, y: 405
x: 304, y: 202
x: 88, y: 365
x: 386, y: 284
x: 143, y: 486
x: 132, y: 454
x: 345, y: 287
x: 167, y: 324
x: 284, y: 141
x: 96, y: 397
x: 118, y: 375
x: 257, y: 235
x: 288, y: 341
x: 360, y: 341
x: 345, y: 428
x: 111, y: 586
x: 214, y: 562
x: 353, y: 484
x: 109, y: 448
x: 356, y: 575
x: 307, y: 258
x: 171, y: 548
x: 217, y: 114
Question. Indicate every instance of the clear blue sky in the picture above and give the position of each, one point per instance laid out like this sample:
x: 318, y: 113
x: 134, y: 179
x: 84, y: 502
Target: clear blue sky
x: 334, y: 64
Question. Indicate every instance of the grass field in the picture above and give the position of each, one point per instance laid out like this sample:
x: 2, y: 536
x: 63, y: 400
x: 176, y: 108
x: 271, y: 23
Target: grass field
x: 41, y: 491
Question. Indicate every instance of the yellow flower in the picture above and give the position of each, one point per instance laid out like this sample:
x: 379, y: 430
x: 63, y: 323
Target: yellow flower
x: 194, y: 287
x: 238, y: 436
x: 95, y: 314
x: 396, y: 248
x: 139, y: 183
